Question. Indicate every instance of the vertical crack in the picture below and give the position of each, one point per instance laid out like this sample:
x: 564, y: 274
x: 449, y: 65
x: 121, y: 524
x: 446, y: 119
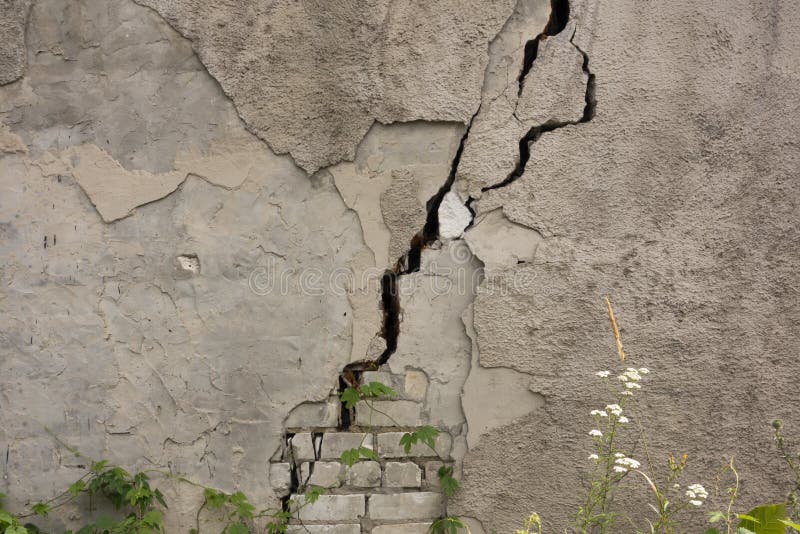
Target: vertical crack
x: 536, y: 132
x: 559, y: 16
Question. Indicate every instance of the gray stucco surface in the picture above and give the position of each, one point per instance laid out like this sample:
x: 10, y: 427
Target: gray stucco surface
x: 172, y: 288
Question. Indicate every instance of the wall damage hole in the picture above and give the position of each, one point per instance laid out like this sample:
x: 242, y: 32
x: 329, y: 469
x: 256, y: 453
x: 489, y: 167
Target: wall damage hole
x: 187, y: 265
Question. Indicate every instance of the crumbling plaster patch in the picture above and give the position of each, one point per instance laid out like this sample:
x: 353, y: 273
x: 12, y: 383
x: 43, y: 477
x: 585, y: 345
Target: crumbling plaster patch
x: 321, y: 73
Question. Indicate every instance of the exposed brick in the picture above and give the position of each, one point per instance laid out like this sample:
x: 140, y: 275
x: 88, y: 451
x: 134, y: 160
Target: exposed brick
x: 402, y: 475
x: 405, y: 528
x: 331, y: 508
x: 324, y: 529
x: 315, y: 415
x: 432, y: 474
x: 334, y: 443
x: 415, y: 385
x: 398, y: 412
x: 389, y: 446
x: 302, y: 446
x: 280, y: 477
x: 364, y: 475
x: 405, y: 506
x: 324, y: 474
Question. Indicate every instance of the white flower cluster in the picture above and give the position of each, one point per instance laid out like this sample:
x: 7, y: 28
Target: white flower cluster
x: 697, y: 494
x: 613, y: 409
x: 631, y: 377
x: 623, y: 464
x: 595, y: 433
x: 603, y: 374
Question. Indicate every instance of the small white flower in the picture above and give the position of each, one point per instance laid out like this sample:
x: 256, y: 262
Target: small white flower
x: 623, y: 419
x: 622, y: 378
x: 626, y: 393
x: 697, y: 490
x: 632, y: 385
x: 594, y: 457
x: 619, y: 455
x: 598, y: 413
x: 614, y: 409
x: 602, y: 374
x: 620, y: 469
x: 595, y: 433
x: 676, y: 486
x: 629, y: 463
x: 696, y: 503
x: 644, y: 371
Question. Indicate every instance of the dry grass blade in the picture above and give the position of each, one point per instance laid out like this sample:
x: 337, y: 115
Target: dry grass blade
x: 615, y: 330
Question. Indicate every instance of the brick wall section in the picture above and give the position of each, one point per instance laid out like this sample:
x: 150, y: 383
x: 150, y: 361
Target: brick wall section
x: 397, y: 494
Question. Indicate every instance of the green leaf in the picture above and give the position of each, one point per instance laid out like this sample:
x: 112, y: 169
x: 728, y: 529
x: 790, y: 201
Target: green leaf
x: 76, y: 487
x: 369, y: 454
x: 5, y: 517
x: 447, y: 483
x: 40, y: 508
x: 16, y: 530
x: 376, y: 389
x: 427, y: 435
x: 160, y: 498
x: 447, y: 525
x: 765, y: 519
x: 349, y: 398
x: 243, y: 507
x: 214, y: 499
x: 152, y: 518
x: 97, y: 467
x: 407, y: 440
x: 313, y: 493
x: 711, y: 531
x: 237, y: 528
x: 742, y: 530
x: 350, y: 457
x: 790, y: 524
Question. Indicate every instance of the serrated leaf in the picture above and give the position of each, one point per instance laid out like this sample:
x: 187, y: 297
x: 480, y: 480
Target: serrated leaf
x: 407, y: 441
x: 349, y: 398
x: 237, y: 528
x: 312, y: 495
x: 447, y: 483
x: 76, y: 487
x: 40, y: 508
x: 369, y: 454
x: 376, y: 389
x: 97, y: 467
x: 350, y: 457
x: 427, y: 435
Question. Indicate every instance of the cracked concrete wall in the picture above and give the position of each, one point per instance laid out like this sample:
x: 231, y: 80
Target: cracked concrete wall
x: 175, y: 293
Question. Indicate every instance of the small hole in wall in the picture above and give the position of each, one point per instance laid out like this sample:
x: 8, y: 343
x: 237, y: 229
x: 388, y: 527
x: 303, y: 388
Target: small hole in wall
x: 188, y: 265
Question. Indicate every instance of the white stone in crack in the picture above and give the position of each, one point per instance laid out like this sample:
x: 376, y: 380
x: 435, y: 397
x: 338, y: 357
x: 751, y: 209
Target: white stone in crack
x: 280, y: 477
x: 454, y: 216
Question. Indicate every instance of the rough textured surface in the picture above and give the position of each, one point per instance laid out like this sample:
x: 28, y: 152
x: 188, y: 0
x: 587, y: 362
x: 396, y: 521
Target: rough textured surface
x: 320, y: 73
x: 13, y: 15
x: 677, y: 200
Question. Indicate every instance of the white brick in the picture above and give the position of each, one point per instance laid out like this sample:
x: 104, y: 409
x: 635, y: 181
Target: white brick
x: 315, y: 415
x: 324, y: 474
x: 324, y: 529
x: 280, y: 477
x: 432, y: 474
x: 387, y: 379
x: 302, y: 446
x: 400, y: 412
x: 364, y: 475
x: 403, y: 506
x: 402, y: 475
x: 389, y: 446
x: 334, y: 443
x: 416, y: 385
x: 331, y: 508
x: 406, y: 528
